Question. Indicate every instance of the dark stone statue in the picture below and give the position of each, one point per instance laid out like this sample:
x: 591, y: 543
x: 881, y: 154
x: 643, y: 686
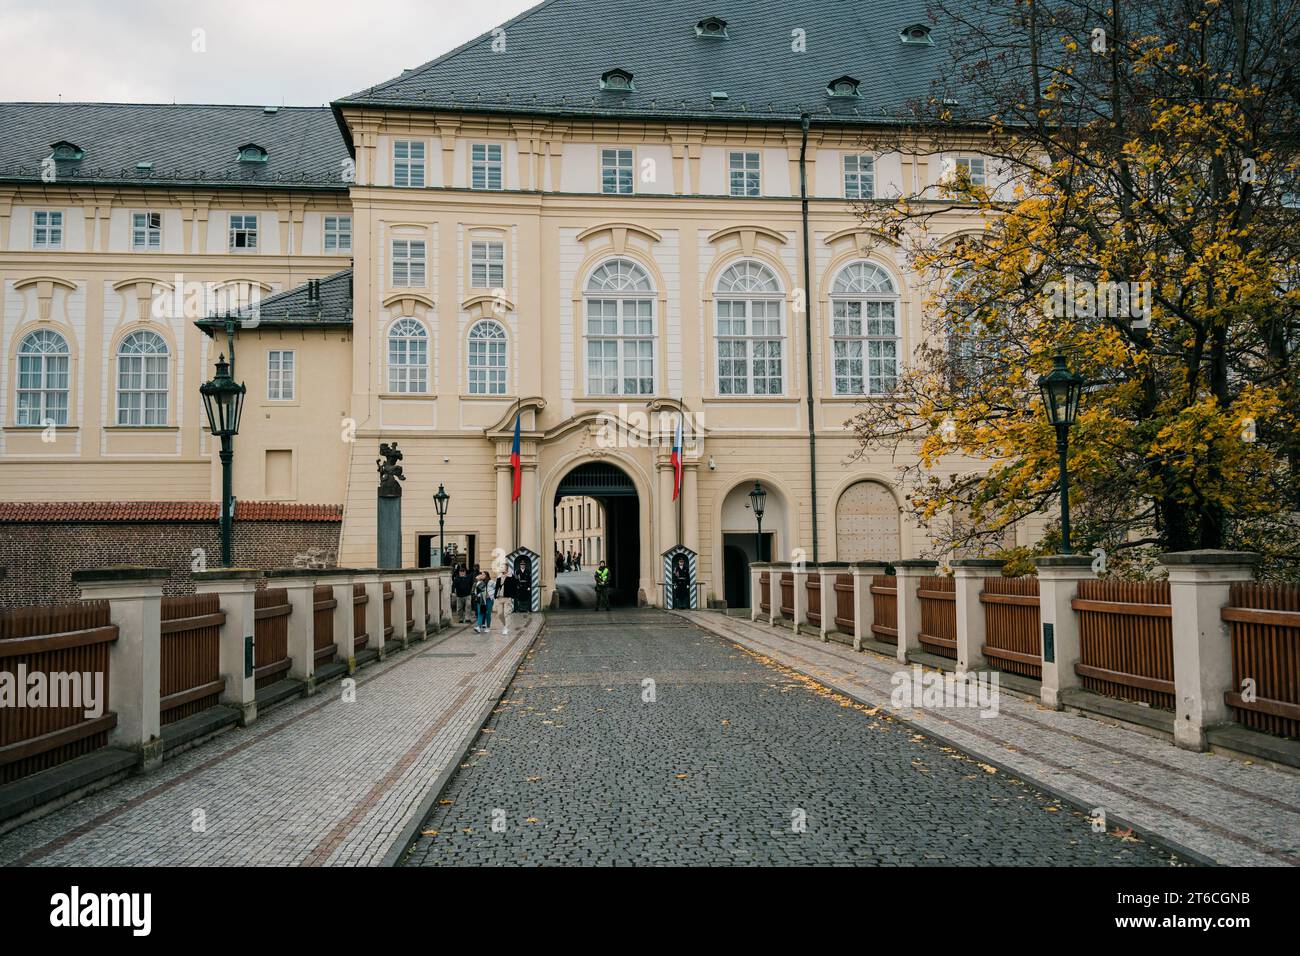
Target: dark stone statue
x: 390, y: 472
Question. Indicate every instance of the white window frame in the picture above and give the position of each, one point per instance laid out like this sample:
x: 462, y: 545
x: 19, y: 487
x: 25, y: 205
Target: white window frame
x: 47, y: 229
x: 744, y: 346
x: 864, y: 299
x: 43, y: 384
x: 749, y: 170
x: 338, y: 228
x: 409, y: 268
x: 617, y: 171
x: 489, y: 159
x: 859, y: 176
x: 145, y: 236
x: 409, y: 157
x: 144, y: 368
x: 408, y: 357
x: 487, y: 257
x: 978, y: 177
x: 488, y: 358
x: 240, y: 226
x: 281, y: 370
x: 618, y: 340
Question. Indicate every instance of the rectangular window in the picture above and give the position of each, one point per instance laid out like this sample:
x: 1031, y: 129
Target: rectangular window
x: 408, y: 263
x: 146, y: 231
x: 974, y: 167
x: 408, y: 163
x: 243, y: 232
x: 859, y: 177
x: 744, y: 168
x: 487, y: 265
x: 279, y: 375
x: 485, y: 166
x: 616, y: 171
x: 338, y: 233
x: 47, y: 229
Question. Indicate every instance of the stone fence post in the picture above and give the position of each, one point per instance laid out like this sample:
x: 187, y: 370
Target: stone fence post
x: 1058, y: 583
x: 1199, y: 585
x: 909, y: 574
x: 444, y: 596
x: 134, y: 596
x: 236, y: 587
x: 799, y: 572
x: 373, y: 581
x: 969, y: 575
x: 419, y: 631
x: 756, y: 571
x: 829, y: 571
x: 340, y: 584
x: 300, y: 587
x: 775, y: 570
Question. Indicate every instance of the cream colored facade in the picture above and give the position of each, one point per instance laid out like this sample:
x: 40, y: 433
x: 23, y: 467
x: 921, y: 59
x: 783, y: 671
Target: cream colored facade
x: 580, y: 528
x: 551, y: 228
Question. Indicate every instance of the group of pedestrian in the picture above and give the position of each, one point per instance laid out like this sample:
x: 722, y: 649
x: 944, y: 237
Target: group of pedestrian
x: 478, y: 592
x: 567, y: 561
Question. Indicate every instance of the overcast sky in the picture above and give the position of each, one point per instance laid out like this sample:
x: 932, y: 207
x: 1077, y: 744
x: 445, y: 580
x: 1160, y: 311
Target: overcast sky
x: 263, y: 52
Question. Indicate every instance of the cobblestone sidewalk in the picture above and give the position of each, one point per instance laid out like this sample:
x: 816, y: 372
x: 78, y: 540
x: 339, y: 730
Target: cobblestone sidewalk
x: 315, y: 782
x: 1215, y: 807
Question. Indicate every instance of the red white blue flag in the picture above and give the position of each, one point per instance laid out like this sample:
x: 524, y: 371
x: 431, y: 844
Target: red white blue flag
x: 677, y: 459
x: 515, y: 467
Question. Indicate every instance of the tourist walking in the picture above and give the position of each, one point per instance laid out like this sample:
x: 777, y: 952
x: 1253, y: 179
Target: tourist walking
x: 505, y: 587
x: 484, y: 592
x: 461, y: 585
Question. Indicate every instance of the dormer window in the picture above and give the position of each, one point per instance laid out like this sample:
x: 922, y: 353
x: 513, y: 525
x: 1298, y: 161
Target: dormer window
x: 252, y: 153
x: 917, y: 33
x: 714, y: 28
x: 63, y: 151
x: 617, y: 81
x: 843, y: 86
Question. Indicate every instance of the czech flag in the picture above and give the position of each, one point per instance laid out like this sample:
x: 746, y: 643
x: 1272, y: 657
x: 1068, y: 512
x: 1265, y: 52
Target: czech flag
x: 677, y: 459
x: 515, y: 467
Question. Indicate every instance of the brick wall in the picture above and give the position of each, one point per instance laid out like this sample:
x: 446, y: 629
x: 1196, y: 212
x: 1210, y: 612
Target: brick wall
x: 39, y: 557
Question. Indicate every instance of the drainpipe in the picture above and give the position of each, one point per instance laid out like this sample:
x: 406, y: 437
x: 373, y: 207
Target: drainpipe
x: 805, y: 121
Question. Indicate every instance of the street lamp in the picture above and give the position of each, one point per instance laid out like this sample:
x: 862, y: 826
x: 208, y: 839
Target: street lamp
x: 1062, y: 391
x: 223, y: 398
x: 440, y: 502
x: 757, y: 498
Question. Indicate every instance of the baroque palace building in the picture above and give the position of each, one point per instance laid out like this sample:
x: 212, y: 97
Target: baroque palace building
x: 589, y: 218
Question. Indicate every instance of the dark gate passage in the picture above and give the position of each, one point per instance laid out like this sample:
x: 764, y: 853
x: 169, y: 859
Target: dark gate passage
x: 614, y: 490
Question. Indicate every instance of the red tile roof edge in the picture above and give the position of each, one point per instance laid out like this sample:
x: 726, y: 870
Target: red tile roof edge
x: 135, y: 512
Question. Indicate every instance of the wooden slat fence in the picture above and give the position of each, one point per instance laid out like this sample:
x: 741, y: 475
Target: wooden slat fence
x: 813, y: 595
x: 884, y: 608
x: 938, y: 596
x: 844, y: 611
x: 323, y: 606
x: 1011, y: 624
x: 388, y: 610
x: 1126, y: 643
x: 359, y: 601
x: 410, y: 606
x: 271, y: 645
x: 54, y: 640
x: 190, y: 655
x: 765, y: 591
x: 1265, y: 624
x: 787, y: 594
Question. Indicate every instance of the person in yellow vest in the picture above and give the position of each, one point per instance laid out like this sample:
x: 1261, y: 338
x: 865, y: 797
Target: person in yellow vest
x: 602, y: 587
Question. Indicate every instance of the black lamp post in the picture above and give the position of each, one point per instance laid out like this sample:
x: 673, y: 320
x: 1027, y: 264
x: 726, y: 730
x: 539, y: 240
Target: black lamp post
x: 440, y: 502
x: 223, y: 398
x: 757, y: 498
x: 1062, y: 390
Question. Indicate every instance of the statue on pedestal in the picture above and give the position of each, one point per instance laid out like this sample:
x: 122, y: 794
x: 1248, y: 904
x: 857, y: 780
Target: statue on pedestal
x: 390, y: 472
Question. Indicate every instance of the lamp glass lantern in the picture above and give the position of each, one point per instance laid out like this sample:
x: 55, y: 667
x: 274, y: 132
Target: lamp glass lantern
x: 440, y: 501
x: 223, y: 399
x: 1062, y: 391
x: 757, y: 498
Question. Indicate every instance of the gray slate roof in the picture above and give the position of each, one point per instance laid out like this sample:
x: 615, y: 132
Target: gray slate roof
x: 187, y: 144
x: 556, y: 52
x: 293, y: 307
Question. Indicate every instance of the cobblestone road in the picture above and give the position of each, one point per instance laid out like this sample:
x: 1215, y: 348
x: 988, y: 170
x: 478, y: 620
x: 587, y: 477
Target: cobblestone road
x: 722, y: 767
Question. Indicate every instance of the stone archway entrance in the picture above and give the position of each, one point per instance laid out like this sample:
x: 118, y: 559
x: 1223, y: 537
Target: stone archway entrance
x: 616, y: 494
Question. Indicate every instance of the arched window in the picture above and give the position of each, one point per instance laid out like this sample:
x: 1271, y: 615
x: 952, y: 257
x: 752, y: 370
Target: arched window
x: 864, y: 330
x: 43, y: 379
x: 487, y: 358
x: 620, y: 330
x: 142, y: 379
x: 751, y: 334
x: 408, y: 357
x: 971, y: 353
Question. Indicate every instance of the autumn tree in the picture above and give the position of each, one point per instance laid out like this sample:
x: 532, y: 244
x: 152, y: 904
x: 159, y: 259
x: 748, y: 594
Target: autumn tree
x: 1138, y: 203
